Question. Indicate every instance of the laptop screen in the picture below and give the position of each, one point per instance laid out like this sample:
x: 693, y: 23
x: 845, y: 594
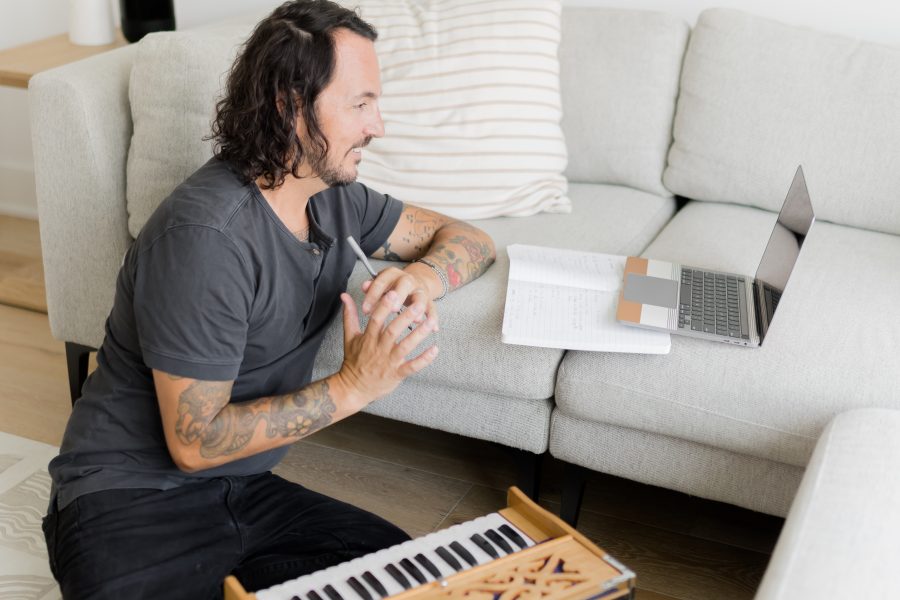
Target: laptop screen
x: 793, y: 224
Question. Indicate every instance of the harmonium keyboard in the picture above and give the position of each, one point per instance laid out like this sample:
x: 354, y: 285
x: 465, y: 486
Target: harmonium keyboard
x: 520, y: 552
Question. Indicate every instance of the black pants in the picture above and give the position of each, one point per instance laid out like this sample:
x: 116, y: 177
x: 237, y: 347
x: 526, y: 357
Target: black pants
x: 182, y: 543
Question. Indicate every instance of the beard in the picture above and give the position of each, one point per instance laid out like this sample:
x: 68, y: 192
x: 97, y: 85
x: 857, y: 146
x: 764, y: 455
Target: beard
x: 332, y: 172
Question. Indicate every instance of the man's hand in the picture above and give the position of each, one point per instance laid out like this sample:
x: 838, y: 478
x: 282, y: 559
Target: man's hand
x: 375, y: 360
x: 411, y: 287
x: 459, y: 253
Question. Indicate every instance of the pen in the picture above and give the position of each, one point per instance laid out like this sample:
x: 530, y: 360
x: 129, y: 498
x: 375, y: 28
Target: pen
x: 365, y: 261
x: 361, y: 256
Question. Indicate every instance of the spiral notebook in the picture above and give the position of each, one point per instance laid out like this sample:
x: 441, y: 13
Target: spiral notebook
x: 567, y: 299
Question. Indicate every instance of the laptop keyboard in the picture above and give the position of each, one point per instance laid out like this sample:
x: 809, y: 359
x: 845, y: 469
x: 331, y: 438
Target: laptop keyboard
x: 711, y: 303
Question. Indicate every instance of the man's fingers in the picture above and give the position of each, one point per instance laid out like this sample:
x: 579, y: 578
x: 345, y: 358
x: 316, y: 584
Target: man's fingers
x: 380, y: 314
x: 351, y: 318
x: 409, y: 343
x: 401, y: 323
x: 418, y: 363
x: 378, y: 287
x: 408, y: 288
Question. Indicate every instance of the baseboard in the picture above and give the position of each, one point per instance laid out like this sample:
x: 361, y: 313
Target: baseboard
x: 17, y: 196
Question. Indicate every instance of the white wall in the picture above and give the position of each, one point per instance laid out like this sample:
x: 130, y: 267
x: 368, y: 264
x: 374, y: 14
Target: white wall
x: 871, y: 20
x: 22, y: 21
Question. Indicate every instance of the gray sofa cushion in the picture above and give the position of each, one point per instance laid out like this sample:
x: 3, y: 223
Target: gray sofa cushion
x: 832, y: 345
x: 514, y: 422
x: 759, y: 97
x: 676, y: 464
x: 472, y: 357
x: 619, y: 79
x: 175, y: 81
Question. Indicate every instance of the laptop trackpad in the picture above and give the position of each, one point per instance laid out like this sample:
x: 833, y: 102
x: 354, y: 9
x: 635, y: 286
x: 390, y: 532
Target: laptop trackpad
x: 651, y: 290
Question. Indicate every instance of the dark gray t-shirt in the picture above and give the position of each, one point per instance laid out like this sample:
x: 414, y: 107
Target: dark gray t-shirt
x: 215, y: 287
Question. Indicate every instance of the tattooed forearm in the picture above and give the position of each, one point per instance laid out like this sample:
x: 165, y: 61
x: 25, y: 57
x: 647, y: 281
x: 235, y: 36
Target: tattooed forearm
x: 421, y: 227
x: 301, y: 413
x: 225, y: 429
x: 197, y: 406
x: 465, y: 256
x: 387, y: 253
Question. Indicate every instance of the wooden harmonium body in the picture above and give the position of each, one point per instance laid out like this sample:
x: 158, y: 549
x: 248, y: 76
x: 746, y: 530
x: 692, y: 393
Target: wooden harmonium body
x: 521, y: 552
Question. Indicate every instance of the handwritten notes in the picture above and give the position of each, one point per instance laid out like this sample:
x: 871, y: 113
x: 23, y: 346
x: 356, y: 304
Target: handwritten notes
x: 567, y: 299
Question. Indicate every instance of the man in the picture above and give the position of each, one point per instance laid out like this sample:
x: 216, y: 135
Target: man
x: 162, y: 486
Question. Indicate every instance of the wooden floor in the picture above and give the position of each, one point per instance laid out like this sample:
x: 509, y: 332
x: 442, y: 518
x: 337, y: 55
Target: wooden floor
x: 21, y: 271
x: 680, y: 547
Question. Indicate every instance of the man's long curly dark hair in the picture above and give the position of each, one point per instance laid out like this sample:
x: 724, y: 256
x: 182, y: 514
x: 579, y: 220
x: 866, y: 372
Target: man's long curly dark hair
x: 280, y: 72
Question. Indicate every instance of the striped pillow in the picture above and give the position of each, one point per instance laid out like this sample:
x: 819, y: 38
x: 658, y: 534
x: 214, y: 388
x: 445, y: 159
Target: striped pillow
x: 471, y: 106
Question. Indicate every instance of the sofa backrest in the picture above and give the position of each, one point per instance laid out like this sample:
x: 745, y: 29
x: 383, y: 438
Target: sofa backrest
x: 759, y: 98
x: 175, y: 81
x: 619, y: 72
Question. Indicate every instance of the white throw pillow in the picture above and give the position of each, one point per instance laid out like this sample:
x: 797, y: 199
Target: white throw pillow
x: 471, y: 106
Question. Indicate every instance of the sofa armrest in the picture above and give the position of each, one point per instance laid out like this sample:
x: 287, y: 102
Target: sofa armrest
x: 842, y: 534
x: 81, y: 129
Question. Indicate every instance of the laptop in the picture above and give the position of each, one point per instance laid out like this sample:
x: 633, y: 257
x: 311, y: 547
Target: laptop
x: 722, y: 307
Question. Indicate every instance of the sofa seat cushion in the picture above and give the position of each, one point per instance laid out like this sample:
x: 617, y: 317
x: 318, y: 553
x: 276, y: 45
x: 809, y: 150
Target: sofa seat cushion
x: 513, y: 422
x: 675, y: 464
x: 605, y: 218
x: 832, y: 347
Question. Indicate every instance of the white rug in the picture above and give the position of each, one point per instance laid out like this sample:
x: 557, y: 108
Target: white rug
x: 24, y: 494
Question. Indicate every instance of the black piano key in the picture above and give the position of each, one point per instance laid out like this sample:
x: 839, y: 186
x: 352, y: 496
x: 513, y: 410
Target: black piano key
x: 376, y: 585
x: 485, y: 545
x: 515, y: 537
x: 463, y: 553
x: 413, y: 570
x: 429, y: 566
x: 312, y: 595
x: 398, y: 576
x: 498, y: 540
x: 449, y: 558
x: 332, y: 593
x: 359, y: 588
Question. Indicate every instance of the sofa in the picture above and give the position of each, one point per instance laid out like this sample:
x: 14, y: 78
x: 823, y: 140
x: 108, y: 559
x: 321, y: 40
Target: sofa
x: 840, y: 537
x: 682, y: 143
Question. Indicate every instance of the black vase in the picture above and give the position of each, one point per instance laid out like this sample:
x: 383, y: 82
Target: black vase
x: 140, y: 17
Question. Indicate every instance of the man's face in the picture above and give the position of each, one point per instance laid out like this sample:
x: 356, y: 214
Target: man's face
x: 347, y: 109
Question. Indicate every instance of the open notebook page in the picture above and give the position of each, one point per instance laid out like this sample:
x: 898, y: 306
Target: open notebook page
x: 567, y: 299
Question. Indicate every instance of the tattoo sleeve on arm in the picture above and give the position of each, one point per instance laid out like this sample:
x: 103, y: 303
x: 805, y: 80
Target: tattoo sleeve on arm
x: 223, y: 431
x: 389, y: 254
x: 462, y: 249
x: 412, y: 234
x: 464, y: 256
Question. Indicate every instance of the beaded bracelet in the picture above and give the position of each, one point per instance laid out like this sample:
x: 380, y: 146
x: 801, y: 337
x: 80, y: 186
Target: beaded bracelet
x: 445, y: 283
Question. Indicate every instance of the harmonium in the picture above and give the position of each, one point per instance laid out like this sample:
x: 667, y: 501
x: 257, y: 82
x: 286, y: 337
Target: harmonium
x: 521, y: 552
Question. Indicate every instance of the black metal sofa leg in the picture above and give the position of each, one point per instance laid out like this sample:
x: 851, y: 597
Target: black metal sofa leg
x: 528, y: 472
x: 77, y: 364
x: 574, y: 478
